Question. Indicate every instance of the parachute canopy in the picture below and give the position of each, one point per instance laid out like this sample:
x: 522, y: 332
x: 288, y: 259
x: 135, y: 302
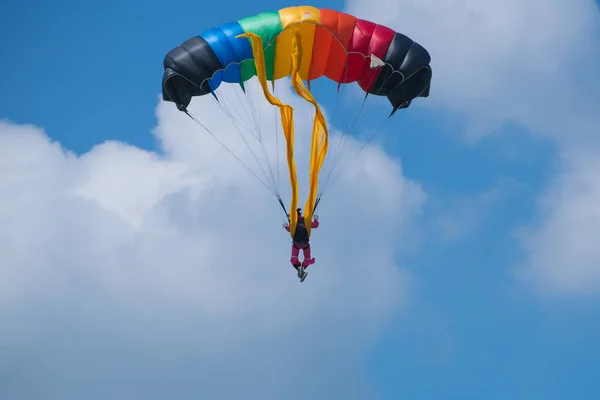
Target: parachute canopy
x: 337, y: 45
x: 304, y: 43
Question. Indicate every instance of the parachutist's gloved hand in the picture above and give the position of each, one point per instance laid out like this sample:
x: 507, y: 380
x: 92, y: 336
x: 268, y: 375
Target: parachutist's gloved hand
x: 316, y: 217
x: 285, y: 225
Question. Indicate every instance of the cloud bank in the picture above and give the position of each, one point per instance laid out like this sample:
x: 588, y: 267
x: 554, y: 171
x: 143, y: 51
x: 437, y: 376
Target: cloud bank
x: 531, y: 63
x: 131, y: 273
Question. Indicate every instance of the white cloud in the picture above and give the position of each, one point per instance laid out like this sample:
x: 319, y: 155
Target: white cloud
x: 533, y: 63
x: 529, y: 62
x: 563, y: 250
x: 515, y: 60
x: 130, y: 273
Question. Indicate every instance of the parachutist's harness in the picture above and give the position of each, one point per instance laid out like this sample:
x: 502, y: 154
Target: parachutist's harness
x: 301, y: 235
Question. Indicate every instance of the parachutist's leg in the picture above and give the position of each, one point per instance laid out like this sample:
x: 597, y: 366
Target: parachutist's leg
x: 307, y: 260
x: 306, y: 252
x: 294, y: 260
x: 296, y: 263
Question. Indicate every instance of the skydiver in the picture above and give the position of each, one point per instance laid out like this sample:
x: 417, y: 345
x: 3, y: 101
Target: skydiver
x: 301, y: 241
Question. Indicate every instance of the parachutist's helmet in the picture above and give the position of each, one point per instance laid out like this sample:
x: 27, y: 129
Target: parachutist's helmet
x: 299, y: 211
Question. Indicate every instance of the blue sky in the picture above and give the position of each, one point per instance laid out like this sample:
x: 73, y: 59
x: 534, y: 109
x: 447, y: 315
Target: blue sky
x: 498, y: 266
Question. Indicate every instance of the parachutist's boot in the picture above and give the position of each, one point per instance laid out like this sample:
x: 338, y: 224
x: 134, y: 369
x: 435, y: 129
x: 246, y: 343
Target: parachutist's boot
x: 302, y: 273
x: 297, y: 266
x: 303, y: 276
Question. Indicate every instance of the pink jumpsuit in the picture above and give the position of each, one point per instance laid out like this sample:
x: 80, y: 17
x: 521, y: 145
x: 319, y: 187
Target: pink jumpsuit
x: 305, y: 249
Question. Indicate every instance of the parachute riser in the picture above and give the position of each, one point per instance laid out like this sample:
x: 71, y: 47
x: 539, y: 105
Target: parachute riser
x: 282, y: 206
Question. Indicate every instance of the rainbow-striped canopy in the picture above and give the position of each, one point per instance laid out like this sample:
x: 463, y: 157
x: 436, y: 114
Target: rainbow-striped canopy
x: 334, y: 44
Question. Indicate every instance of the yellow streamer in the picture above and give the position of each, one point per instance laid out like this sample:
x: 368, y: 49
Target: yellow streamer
x: 320, y: 137
x: 287, y: 121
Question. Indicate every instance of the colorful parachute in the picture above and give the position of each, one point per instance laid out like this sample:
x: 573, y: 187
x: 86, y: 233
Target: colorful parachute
x: 304, y: 43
